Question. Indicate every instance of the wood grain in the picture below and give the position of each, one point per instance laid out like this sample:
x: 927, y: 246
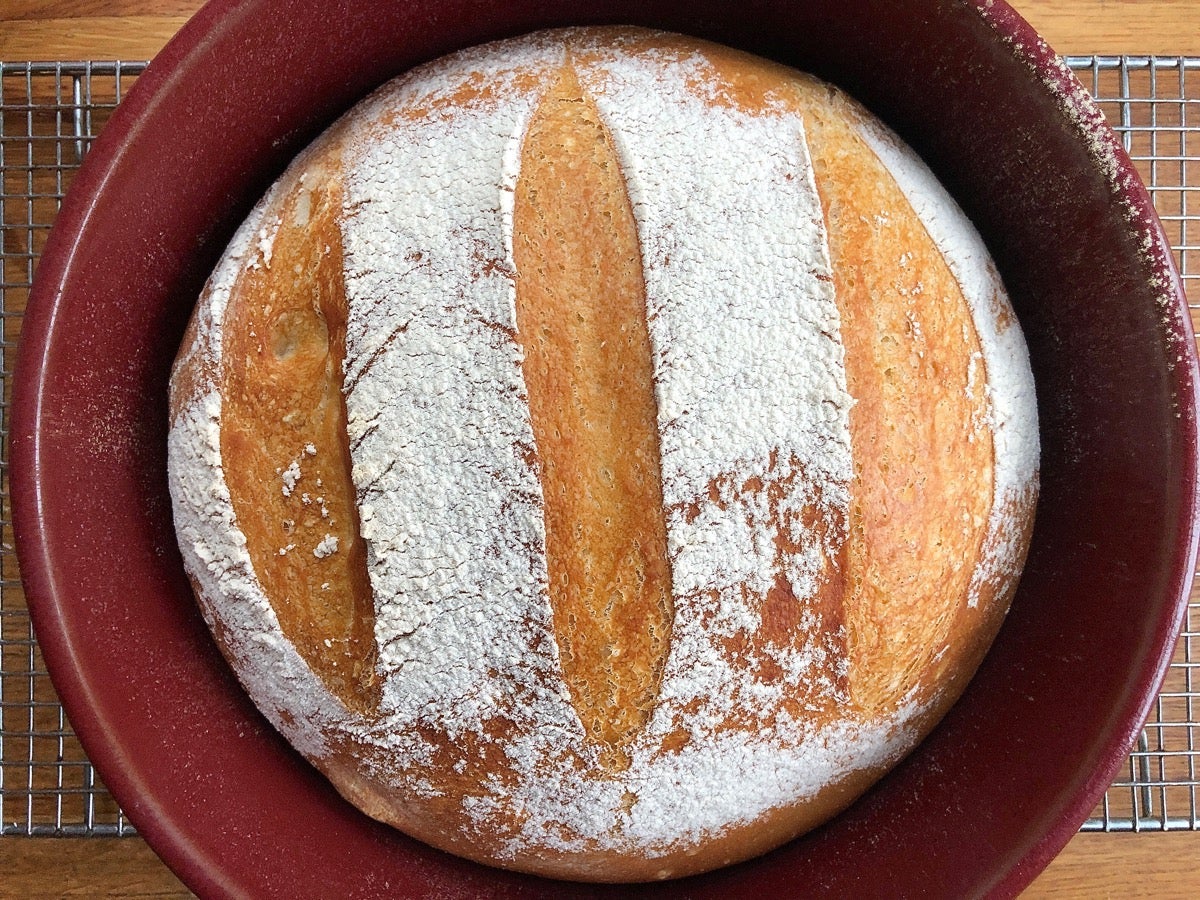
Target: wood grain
x: 1164, y: 867
x: 137, y: 29
x: 1166, y: 27
x: 1094, y: 866
x: 1102, y: 866
x: 84, y: 868
x: 87, y: 37
x: 40, y: 10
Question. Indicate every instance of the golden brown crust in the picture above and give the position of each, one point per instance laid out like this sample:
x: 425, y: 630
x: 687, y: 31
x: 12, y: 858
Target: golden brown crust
x: 891, y: 602
x: 923, y: 458
x: 281, y: 384
x: 581, y: 316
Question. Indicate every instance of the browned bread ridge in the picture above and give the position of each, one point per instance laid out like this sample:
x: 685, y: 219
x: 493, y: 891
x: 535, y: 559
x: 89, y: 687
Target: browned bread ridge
x: 454, y: 501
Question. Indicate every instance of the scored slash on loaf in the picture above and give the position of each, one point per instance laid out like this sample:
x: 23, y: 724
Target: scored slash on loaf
x: 603, y: 454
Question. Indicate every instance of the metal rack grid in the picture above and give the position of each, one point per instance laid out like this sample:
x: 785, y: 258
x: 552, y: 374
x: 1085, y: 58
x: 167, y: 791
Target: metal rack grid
x: 49, y: 113
x: 1154, y: 104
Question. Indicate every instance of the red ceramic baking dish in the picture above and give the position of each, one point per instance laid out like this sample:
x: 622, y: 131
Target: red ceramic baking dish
x: 978, y: 809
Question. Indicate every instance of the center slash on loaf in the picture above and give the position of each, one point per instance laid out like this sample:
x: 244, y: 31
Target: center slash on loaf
x: 581, y: 314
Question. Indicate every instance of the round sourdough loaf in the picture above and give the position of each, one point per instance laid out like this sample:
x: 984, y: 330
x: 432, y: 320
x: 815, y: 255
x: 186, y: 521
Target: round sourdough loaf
x: 604, y: 454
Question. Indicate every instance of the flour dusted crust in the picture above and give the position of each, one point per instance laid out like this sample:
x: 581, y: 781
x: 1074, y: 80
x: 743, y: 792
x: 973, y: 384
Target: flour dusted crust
x: 604, y: 454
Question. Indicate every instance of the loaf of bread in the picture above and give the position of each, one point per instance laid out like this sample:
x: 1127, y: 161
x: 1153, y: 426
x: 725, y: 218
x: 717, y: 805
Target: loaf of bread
x: 604, y: 454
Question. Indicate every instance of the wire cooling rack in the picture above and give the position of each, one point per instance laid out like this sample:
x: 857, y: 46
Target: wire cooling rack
x: 1154, y: 104
x: 49, y: 113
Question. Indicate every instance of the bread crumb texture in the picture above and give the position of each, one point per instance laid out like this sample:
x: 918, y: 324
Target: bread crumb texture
x: 651, y: 439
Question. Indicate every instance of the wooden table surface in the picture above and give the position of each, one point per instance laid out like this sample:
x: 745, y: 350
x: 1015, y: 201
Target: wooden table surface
x: 1092, y: 865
